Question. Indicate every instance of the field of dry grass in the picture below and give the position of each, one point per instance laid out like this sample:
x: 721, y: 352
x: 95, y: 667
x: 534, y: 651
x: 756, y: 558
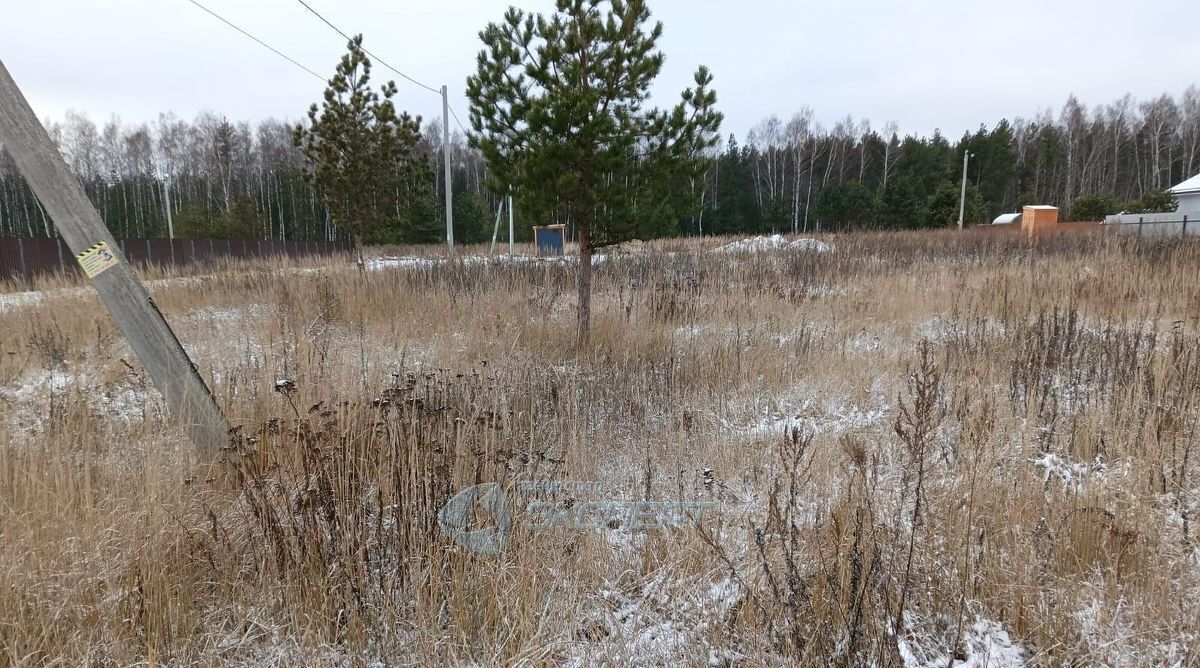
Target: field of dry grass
x: 925, y: 449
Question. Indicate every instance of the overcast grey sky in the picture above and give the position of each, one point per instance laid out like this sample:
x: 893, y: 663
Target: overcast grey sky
x: 926, y: 64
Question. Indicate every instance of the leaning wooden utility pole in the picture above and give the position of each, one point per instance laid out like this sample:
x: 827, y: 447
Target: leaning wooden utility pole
x: 80, y: 225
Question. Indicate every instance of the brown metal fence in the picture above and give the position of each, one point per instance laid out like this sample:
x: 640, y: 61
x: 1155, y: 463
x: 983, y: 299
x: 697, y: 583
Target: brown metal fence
x: 24, y: 258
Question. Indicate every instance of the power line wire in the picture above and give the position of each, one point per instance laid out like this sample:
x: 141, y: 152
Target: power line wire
x: 277, y: 52
x: 382, y: 61
x: 377, y: 58
x: 460, y: 125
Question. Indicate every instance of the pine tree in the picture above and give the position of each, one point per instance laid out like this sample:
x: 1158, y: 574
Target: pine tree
x: 1094, y: 207
x: 1153, y: 201
x: 361, y: 155
x: 845, y: 206
x: 898, y: 205
x: 734, y: 209
x: 557, y: 109
x: 942, y: 209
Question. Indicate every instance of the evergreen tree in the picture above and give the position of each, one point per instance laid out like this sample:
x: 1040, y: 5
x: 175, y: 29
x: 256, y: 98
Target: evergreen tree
x: 897, y: 204
x: 928, y: 164
x: 362, y: 155
x: 241, y: 221
x: 1154, y: 201
x: 942, y: 210
x: 472, y: 225
x: 1095, y: 207
x: 191, y: 223
x: 845, y: 205
x: 734, y: 209
x: 557, y: 108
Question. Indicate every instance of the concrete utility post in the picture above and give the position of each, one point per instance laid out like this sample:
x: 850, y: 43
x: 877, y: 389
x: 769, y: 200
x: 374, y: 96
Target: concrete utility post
x: 449, y: 180
x: 496, y: 227
x: 962, y: 200
x: 100, y: 258
x: 167, y: 201
x: 510, y: 223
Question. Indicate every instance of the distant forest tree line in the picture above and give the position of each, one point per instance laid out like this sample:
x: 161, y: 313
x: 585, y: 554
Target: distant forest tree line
x: 234, y: 180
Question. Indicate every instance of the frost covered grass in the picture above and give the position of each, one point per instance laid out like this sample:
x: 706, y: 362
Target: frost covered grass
x: 924, y: 449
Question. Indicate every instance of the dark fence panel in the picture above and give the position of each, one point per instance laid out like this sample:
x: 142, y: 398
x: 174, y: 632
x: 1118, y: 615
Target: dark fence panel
x: 12, y: 259
x: 25, y: 258
x: 238, y: 249
x: 161, y: 252
x: 137, y: 251
x: 42, y: 256
x: 202, y: 250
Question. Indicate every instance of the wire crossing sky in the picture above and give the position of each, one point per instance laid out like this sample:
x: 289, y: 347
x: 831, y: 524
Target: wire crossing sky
x: 264, y: 44
x: 367, y: 51
x: 925, y: 64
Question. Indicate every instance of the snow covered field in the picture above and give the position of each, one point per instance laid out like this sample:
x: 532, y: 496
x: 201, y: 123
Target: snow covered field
x: 919, y: 449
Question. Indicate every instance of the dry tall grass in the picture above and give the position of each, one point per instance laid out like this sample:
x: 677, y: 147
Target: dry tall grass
x: 923, y: 445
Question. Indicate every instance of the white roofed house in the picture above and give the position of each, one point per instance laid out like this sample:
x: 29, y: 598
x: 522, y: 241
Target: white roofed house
x: 1185, y: 219
x: 1187, y: 194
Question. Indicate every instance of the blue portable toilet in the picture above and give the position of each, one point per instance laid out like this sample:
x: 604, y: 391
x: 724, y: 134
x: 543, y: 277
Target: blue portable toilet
x: 550, y: 239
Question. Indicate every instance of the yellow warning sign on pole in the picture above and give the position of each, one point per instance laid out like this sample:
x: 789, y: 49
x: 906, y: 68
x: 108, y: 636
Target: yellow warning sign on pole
x: 97, y: 259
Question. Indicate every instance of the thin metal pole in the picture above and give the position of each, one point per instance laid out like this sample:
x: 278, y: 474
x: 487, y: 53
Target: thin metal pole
x: 167, y: 199
x: 962, y: 200
x: 449, y: 180
x: 510, y: 223
x: 496, y: 227
x: 24, y: 263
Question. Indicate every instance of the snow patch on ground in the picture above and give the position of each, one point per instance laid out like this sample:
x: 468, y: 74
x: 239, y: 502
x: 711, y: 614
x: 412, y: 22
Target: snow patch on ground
x: 664, y: 623
x: 36, y: 383
x: 930, y: 643
x: 942, y: 329
x: 864, y: 341
x: 764, y: 243
x: 397, y: 262
x: 1072, y: 475
x: 11, y: 301
x: 813, y: 245
x: 689, y: 332
x: 128, y: 404
x: 826, y: 290
x: 754, y: 244
x: 26, y: 402
x: 15, y: 300
x: 809, y: 416
x: 1109, y: 631
x: 420, y: 262
x: 231, y: 318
